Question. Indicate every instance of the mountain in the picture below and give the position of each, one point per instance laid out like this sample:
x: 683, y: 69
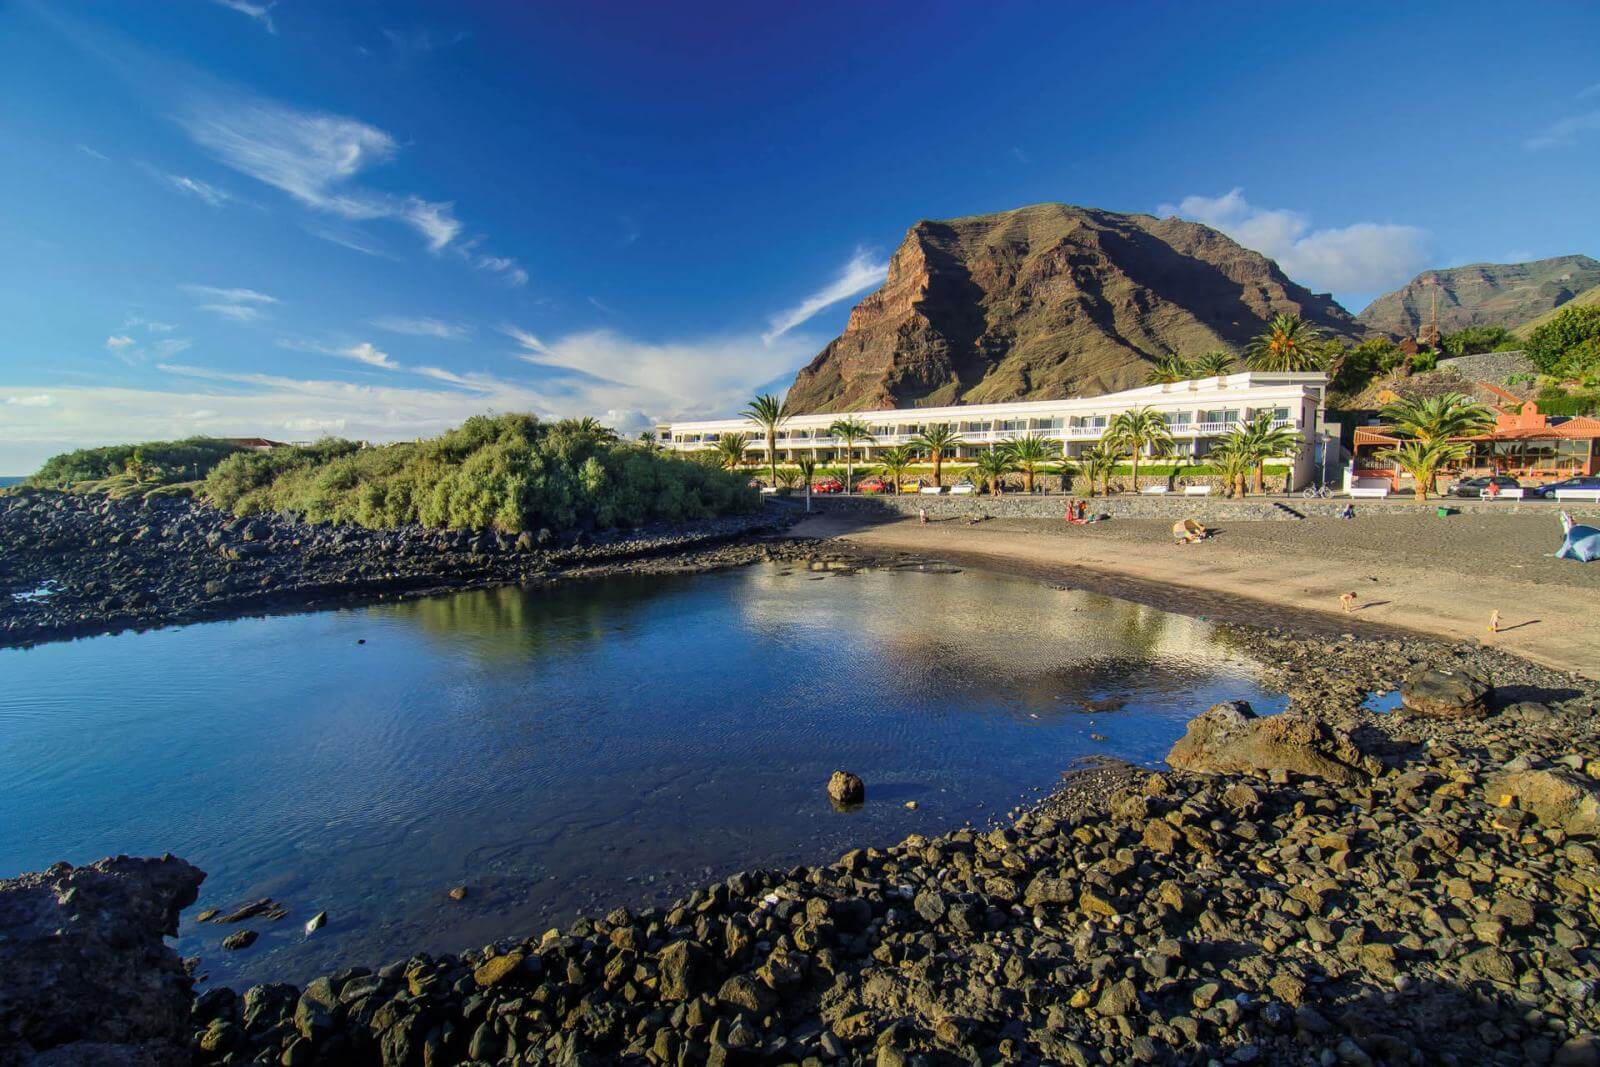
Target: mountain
x: 1587, y: 298
x: 1044, y: 302
x: 1482, y: 294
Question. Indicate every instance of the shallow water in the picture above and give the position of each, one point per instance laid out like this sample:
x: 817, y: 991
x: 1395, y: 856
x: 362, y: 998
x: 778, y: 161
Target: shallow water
x: 564, y: 751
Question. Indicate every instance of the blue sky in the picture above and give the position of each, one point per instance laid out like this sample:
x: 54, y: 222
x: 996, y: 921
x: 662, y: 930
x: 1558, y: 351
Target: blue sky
x: 374, y: 219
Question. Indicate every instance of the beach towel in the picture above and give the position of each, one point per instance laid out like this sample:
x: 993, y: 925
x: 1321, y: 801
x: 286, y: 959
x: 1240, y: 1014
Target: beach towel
x: 1582, y: 543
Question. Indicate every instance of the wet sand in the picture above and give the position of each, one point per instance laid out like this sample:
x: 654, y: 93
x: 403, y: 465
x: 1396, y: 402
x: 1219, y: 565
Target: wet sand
x: 1422, y: 573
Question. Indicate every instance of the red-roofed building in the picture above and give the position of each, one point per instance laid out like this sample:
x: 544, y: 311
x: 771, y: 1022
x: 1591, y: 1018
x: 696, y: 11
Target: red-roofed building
x: 1523, y: 444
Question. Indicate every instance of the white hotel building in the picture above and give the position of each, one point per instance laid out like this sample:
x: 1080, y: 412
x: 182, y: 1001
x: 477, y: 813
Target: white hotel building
x: 1197, y: 412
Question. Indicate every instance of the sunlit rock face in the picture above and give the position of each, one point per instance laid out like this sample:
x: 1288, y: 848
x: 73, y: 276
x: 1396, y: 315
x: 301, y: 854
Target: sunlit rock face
x: 1047, y: 302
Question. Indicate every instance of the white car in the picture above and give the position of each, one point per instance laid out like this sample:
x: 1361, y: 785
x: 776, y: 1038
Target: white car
x: 964, y: 487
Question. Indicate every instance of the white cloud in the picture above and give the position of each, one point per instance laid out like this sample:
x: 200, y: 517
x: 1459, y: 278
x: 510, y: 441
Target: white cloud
x: 314, y: 157
x: 262, y: 13
x: 239, y: 305
x: 360, y: 351
x: 1593, y: 90
x: 1563, y: 133
x: 210, y: 194
x: 1359, y: 258
x: 151, y: 325
x: 37, y: 400
x: 366, y: 353
x: 229, y: 296
x: 120, y: 342
x: 673, y: 378
x: 862, y: 272
x: 422, y: 326
x: 86, y: 150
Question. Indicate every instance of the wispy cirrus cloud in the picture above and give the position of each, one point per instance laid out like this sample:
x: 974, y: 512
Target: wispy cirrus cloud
x: 1360, y: 258
x: 864, y: 271
x: 262, y: 13
x: 133, y: 350
x: 1565, y: 132
x: 422, y: 326
x: 239, y: 305
x: 212, y: 195
x: 315, y: 157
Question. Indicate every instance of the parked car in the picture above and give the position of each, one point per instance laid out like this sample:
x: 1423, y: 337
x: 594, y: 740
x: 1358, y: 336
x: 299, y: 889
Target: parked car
x: 873, y: 485
x: 935, y: 490
x: 964, y: 487
x: 913, y: 486
x: 827, y: 485
x: 1473, y: 487
x: 1582, y: 481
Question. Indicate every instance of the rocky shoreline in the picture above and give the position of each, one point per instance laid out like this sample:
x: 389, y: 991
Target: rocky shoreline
x: 1427, y: 893
x: 75, y: 566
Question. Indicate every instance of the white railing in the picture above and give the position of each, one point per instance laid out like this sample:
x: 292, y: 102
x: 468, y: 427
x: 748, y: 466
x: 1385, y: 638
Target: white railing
x: 1214, y: 427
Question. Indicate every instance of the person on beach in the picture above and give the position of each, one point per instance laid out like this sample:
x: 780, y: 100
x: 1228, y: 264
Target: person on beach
x: 1348, y: 602
x: 922, y: 516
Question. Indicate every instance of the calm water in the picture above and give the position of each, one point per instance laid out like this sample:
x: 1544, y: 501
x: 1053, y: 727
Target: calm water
x: 565, y: 751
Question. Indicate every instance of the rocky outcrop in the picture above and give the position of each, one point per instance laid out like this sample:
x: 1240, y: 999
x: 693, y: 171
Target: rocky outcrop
x: 72, y: 565
x: 846, y: 788
x: 1231, y: 738
x: 1436, y: 693
x: 1481, y: 294
x: 1045, y: 302
x: 85, y: 977
x: 1561, y: 797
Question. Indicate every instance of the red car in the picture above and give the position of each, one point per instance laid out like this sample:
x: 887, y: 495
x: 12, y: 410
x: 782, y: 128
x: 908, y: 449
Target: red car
x: 827, y: 485
x: 872, y: 485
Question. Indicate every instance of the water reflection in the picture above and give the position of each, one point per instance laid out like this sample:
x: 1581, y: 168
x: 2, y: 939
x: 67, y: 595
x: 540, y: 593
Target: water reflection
x: 567, y: 749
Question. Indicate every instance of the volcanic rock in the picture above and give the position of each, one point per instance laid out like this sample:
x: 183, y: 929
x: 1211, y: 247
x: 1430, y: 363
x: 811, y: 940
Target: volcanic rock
x: 846, y: 788
x: 1446, y: 694
x: 1231, y: 739
x: 84, y: 964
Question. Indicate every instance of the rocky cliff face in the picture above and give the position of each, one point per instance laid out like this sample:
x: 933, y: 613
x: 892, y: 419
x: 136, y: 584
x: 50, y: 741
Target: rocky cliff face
x: 87, y: 978
x: 1482, y: 294
x: 1045, y: 302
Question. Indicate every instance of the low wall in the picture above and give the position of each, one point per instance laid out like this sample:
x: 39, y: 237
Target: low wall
x: 1214, y: 508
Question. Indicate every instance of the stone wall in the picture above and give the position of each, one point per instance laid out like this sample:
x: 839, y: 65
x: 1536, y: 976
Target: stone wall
x: 1212, y: 508
x: 1492, y: 367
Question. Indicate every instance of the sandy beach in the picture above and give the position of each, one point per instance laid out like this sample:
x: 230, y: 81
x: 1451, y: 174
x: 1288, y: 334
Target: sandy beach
x: 1439, y: 576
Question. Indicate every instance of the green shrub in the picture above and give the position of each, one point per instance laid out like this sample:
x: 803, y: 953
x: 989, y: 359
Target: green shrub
x: 1478, y: 339
x: 1580, y: 404
x: 508, y: 472
x: 159, y: 462
x: 1550, y: 345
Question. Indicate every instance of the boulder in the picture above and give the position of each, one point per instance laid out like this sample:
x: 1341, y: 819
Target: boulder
x: 1559, y: 798
x: 87, y: 976
x: 1231, y: 738
x: 1434, y: 693
x: 846, y: 788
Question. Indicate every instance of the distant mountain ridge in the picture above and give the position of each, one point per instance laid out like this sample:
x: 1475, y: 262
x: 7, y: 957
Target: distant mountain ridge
x: 1048, y: 301
x: 1482, y: 294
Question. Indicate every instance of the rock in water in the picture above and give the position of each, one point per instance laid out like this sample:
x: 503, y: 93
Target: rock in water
x: 84, y: 962
x: 243, y: 939
x: 1441, y: 694
x: 1231, y: 739
x: 846, y: 788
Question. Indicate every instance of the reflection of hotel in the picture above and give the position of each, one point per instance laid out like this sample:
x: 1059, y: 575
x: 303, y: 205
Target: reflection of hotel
x: 1197, y: 412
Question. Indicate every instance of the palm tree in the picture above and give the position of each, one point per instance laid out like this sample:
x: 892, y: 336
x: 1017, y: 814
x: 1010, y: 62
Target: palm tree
x: 768, y: 412
x: 648, y: 438
x: 808, y: 472
x: 1231, y: 454
x: 730, y: 450
x: 993, y: 465
x: 936, y: 440
x: 850, y: 430
x: 896, y: 461
x: 1136, y: 429
x: 1262, y: 441
x: 1097, y: 464
x: 1290, y: 343
x: 1168, y: 369
x: 589, y: 427
x: 1422, y: 460
x: 1437, y: 418
x: 1218, y: 361
x: 1031, y: 451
